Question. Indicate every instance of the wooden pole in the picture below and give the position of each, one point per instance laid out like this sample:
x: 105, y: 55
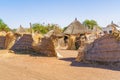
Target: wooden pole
x: 31, y: 30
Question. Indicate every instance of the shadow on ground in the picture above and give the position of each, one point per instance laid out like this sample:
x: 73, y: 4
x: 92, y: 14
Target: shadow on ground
x: 82, y: 64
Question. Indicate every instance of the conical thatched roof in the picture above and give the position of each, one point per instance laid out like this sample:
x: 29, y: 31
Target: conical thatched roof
x: 104, y: 49
x: 75, y: 28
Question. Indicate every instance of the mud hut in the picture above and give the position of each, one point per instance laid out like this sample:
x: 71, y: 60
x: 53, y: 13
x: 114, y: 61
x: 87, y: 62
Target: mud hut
x: 24, y: 44
x: 75, y: 28
x: 103, y: 49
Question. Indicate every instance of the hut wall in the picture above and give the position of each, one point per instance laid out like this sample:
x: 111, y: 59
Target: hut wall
x: 71, y: 43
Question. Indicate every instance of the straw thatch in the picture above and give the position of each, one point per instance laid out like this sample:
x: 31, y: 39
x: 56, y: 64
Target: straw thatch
x: 54, y: 33
x: 45, y: 47
x: 10, y: 39
x: 55, y: 36
x: 76, y: 28
x: 37, y: 37
x: 2, y: 42
x: 104, y: 49
x: 2, y: 33
x: 24, y: 44
x: 49, y: 34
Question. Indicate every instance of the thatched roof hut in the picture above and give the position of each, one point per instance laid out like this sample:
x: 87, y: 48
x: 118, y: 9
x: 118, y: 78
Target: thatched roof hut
x: 76, y: 28
x: 24, y: 44
x: 73, y: 30
x: 104, y: 49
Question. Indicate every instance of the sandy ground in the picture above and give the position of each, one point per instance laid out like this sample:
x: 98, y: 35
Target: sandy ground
x: 27, y: 67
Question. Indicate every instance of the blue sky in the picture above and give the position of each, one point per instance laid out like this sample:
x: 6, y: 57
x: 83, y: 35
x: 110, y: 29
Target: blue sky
x: 62, y: 12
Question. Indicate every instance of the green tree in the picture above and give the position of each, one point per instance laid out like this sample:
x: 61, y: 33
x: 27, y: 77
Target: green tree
x: 45, y: 28
x: 54, y: 27
x: 39, y: 28
x: 3, y: 26
x: 90, y: 23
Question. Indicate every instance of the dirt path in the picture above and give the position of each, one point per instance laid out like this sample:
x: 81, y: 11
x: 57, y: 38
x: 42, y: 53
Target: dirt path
x: 26, y: 67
